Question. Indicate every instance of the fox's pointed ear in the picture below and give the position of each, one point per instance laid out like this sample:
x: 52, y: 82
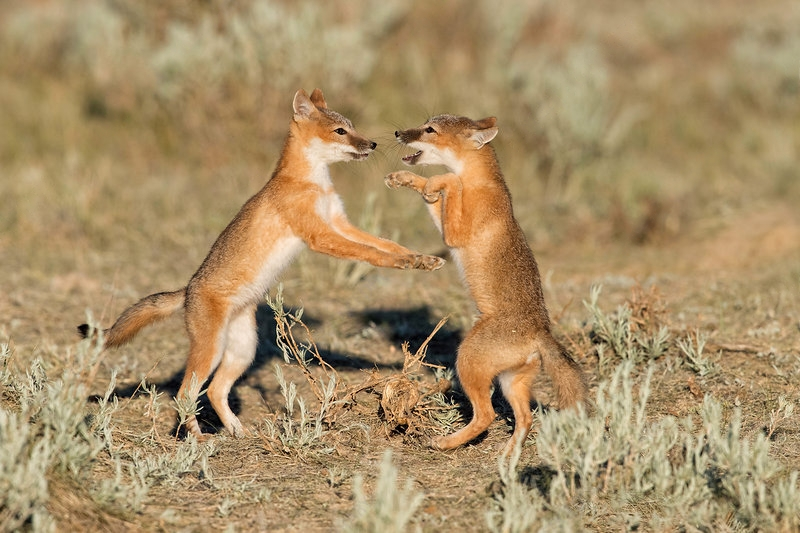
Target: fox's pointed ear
x: 319, y: 99
x: 488, y: 122
x: 303, y: 107
x: 487, y: 132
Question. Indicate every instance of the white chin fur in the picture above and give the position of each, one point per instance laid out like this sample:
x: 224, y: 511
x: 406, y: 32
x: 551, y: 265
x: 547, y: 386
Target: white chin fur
x: 431, y: 156
x: 322, y: 152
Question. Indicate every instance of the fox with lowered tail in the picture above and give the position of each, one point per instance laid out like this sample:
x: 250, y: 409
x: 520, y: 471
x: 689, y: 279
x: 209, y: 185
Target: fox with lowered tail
x: 511, y: 339
x: 297, y: 208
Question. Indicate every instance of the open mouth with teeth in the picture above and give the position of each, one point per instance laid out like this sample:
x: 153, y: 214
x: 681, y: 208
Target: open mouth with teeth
x: 412, y: 158
x: 359, y: 157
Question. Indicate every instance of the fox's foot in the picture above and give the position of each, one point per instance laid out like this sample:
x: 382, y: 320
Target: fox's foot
x: 430, y: 197
x: 420, y: 262
x: 193, y: 428
x: 235, y: 428
x: 432, y: 191
x: 242, y: 432
x: 429, y: 262
x: 401, y: 178
x: 440, y: 443
x: 447, y: 442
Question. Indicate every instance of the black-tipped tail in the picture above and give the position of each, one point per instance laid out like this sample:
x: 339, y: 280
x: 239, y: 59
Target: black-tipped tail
x: 83, y: 330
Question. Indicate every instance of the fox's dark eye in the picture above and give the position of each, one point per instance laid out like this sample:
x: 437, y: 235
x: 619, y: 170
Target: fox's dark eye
x: 340, y: 131
x: 430, y: 130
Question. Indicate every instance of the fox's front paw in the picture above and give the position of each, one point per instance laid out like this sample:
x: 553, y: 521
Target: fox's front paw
x: 430, y: 197
x: 431, y: 194
x: 395, y: 180
x: 420, y: 262
x: 429, y: 262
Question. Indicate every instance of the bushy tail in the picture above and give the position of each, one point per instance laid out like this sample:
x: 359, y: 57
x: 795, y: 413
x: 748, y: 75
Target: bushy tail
x: 568, y: 381
x: 146, y: 311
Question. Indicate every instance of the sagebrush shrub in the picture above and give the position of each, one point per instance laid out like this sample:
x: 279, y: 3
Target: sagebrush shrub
x: 617, y: 467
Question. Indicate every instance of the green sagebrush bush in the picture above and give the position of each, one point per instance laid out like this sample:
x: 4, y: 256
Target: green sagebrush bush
x: 391, y: 508
x: 50, y: 430
x: 620, y: 468
x: 615, y: 331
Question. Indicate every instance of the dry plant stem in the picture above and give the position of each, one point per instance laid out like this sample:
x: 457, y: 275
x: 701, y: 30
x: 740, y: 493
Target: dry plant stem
x: 411, y: 363
x: 727, y: 347
x: 144, y: 379
x: 284, y: 330
x: 557, y: 318
x: 417, y: 359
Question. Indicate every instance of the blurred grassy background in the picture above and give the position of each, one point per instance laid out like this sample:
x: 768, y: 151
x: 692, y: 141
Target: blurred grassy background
x: 133, y: 130
x: 644, y: 141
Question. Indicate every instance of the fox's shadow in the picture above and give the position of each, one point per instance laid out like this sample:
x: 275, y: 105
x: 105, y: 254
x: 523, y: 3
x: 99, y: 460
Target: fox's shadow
x: 414, y: 326
x: 398, y: 325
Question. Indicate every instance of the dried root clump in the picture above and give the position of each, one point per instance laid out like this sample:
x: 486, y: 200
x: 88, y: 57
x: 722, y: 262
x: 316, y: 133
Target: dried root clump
x: 408, y: 403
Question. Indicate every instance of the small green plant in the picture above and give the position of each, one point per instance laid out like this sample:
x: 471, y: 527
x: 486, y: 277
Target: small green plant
x: 24, y: 463
x: 777, y: 416
x: 128, y: 488
x: 336, y: 476
x: 516, y: 508
x: 51, y: 430
x: 170, y: 466
x: 106, y: 407
x: 391, y: 508
x: 303, y: 353
x: 153, y: 408
x: 616, y: 331
x: 188, y: 406
x: 299, y: 431
x: 293, y: 434
x: 6, y: 376
x: 693, y: 353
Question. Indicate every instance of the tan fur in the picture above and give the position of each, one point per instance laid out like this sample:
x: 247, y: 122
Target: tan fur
x: 297, y: 206
x: 511, y: 339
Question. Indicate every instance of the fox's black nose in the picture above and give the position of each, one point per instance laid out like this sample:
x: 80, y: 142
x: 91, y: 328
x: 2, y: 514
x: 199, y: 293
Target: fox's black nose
x: 373, y: 144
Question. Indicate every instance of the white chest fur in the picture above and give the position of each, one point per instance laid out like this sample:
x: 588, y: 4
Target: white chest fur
x: 284, y: 251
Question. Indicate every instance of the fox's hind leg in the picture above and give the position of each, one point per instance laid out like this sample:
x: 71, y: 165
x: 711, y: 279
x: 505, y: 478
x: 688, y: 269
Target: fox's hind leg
x: 207, y: 326
x: 476, y: 369
x: 480, y: 360
x: 517, y: 388
x: 240, y: 349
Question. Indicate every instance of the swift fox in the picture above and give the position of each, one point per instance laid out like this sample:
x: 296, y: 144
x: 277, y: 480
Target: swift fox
x: 511, y: 339
x: 298, y: 206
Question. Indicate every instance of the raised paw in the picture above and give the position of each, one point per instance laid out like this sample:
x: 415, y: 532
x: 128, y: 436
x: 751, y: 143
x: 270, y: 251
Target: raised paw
x: 430, y: 197
x: 429, y: 194
x: 420, y: 262
x: 395, y: 180
x: 429, y: 262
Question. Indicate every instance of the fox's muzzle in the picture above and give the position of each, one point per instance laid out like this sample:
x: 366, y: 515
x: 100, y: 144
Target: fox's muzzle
x: 407, y: 136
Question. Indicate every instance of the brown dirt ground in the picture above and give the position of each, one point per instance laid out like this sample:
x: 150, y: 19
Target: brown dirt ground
x: 738, y: 282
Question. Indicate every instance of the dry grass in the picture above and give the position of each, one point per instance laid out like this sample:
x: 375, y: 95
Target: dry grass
x: 651, y: 149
